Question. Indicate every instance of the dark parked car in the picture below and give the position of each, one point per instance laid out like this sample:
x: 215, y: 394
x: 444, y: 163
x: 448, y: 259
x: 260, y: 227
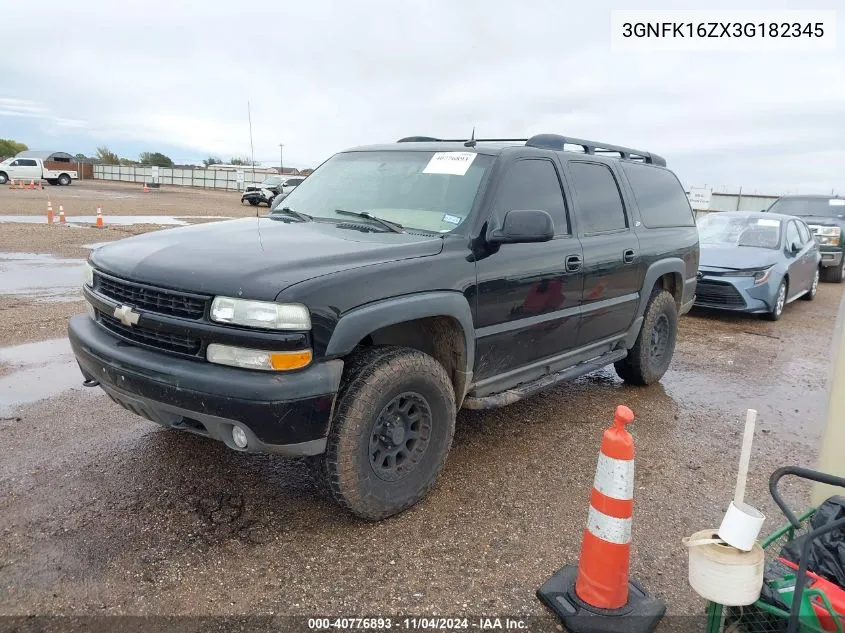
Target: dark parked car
x: 826, y: 218
x: 397, y: 284
x: 756, y: 262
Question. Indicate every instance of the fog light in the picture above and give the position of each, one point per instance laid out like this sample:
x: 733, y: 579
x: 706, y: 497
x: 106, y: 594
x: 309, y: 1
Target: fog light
x: 239, y: 437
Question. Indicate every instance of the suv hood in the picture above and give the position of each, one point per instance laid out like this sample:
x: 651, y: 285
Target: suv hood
x: 823, y: 220
x: 254, y: 258
x: 736, y: 257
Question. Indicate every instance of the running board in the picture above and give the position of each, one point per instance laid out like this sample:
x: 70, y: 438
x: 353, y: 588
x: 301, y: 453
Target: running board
x: 524, y: 390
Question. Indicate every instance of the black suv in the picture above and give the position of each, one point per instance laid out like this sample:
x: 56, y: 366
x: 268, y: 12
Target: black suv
x: 825, y: 216
x: 397, y: 284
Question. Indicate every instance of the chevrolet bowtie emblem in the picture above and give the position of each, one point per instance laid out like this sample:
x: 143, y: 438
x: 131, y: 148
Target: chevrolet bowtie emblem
x: 126, y: 315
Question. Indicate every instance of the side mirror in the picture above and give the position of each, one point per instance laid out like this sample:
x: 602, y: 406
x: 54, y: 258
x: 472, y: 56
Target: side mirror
x: 795, y: 247
x: 522, y: 226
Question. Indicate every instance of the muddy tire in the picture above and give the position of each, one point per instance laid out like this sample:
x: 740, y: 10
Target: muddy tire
x: 391, y: 432
x: 652, y: 352
x: 835, y: 274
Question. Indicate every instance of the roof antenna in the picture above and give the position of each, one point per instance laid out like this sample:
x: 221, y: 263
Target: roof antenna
x: 471, y: 141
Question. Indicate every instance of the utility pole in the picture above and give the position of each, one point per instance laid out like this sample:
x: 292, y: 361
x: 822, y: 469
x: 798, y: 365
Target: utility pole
x: 281, y: 159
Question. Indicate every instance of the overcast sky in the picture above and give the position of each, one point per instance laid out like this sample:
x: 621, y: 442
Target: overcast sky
x: 175, y: 76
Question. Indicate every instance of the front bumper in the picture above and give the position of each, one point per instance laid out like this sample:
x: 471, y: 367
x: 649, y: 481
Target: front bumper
x: 737, y: 294
x: 831, y: 256
x: 284, y: 414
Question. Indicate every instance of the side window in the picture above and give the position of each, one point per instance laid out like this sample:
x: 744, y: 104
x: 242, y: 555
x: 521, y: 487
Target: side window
x: 792, y: 234
x: 26, y: 162
x: 15, y: 163
x: 659, y: 195
x: 806, y: 238
x: 600, y: 205
x: 533, y: 184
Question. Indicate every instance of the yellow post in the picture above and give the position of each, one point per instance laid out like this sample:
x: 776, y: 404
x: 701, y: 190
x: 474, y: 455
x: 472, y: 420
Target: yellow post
x: 832, y: 452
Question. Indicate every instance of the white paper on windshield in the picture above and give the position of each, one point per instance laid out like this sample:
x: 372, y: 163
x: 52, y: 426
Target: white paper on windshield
x: 453, y: 163
x: 837, y: 202
x: 768, y: 222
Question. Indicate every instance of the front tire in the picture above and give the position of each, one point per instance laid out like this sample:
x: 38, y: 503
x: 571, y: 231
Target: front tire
x: 391, y: 431
x: 253, y: 202
x: 652, y: 352
x: 3, y: 178
x: 780, y: 302
x: 835, y: 274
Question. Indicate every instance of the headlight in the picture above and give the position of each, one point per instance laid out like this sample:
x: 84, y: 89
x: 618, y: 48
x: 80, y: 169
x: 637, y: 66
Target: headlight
x: 257, y: 359
x: 260, y: 314
x: 828, y: 235
x: 832, y: 231
x: 89, y: 275
x: 760, y: 275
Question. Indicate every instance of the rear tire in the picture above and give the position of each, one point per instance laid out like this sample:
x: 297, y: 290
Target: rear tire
x: 392, y: 430
x: 253, y: 202
x: 652, y: 352
x: 814, y: 287
x: 63, y: 180
x: 835, y: 274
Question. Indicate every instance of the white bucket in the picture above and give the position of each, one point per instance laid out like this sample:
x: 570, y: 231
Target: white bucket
x: 721, y: 573
x: 741, y: 526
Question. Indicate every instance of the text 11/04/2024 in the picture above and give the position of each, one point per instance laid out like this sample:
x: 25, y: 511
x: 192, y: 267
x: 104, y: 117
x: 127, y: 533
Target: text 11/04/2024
x: 417, y: 623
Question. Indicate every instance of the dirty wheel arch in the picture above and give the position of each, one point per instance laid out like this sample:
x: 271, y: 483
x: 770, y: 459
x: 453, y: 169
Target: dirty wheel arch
x: 375, y: 381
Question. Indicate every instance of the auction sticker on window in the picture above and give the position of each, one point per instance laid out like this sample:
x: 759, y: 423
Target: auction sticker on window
x: 452, y: 163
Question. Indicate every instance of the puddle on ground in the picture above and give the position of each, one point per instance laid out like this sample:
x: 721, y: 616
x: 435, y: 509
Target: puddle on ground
x: 120, y: 220
x: 36, y: 371
x: 41, y: 277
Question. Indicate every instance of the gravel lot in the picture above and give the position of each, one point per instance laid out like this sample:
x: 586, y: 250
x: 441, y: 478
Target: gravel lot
x: 103, y: 513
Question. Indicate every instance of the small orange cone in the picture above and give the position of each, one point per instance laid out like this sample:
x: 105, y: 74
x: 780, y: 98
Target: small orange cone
x: 31, y: 185
x: 49, y: 212
x: 597, y: 595
x: 61, y: 215
x: 99, y: 218
x: 146, y: 188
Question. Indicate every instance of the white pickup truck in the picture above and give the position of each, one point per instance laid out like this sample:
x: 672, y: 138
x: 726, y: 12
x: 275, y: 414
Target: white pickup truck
x: 27, y: 169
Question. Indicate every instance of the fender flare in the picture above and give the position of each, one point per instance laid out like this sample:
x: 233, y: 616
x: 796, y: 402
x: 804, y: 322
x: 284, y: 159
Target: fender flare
x: 655, y: 272
x: 358, y: 323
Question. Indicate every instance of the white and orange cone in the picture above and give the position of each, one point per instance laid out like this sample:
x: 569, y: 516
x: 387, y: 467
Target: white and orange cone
x: 31, y: 184
x: 590, y: 596
x: 99, y: 218
x: 61, y: 214
x: 49, y: 212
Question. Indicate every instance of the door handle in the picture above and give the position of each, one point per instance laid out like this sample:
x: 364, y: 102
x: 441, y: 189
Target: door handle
x: 573, y: 263
x: 628, y: 255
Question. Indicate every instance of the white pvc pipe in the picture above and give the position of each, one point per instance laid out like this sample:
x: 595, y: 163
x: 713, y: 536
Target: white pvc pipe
x: 745, y: 456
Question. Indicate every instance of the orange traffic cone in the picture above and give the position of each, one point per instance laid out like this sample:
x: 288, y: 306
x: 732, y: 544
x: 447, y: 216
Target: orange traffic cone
x: 49, y: 212
x: 597, y: 594
x: 61, y: 215
x: 31, y: 185
x: 146, y: 188
x: 99, y: 218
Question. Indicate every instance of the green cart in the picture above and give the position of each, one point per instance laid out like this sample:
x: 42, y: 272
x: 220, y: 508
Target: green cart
x: 804, y: 613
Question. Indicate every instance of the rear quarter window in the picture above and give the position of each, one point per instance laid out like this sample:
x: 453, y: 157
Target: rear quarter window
x: 660, y: 197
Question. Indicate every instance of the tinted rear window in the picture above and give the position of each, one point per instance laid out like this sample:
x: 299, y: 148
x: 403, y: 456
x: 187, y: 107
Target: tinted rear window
x: 660, y: 196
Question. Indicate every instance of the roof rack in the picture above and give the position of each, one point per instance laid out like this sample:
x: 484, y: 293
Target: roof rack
x: 557, y: 142
x: 552, y: 141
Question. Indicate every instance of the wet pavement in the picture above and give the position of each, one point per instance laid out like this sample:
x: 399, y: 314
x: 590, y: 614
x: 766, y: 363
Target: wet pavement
x: 119, y: 220
x: 104, y: 513
x: 39, y: 276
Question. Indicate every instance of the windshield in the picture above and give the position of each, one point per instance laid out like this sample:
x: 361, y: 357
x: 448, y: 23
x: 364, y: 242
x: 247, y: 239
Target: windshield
x: 739, y: 230
x: 432, y: 191
x: 825, y: 207
x: 271, y: 181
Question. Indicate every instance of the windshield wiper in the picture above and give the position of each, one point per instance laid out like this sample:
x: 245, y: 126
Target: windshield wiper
x: 302, y: 217
x: 395, y: 227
